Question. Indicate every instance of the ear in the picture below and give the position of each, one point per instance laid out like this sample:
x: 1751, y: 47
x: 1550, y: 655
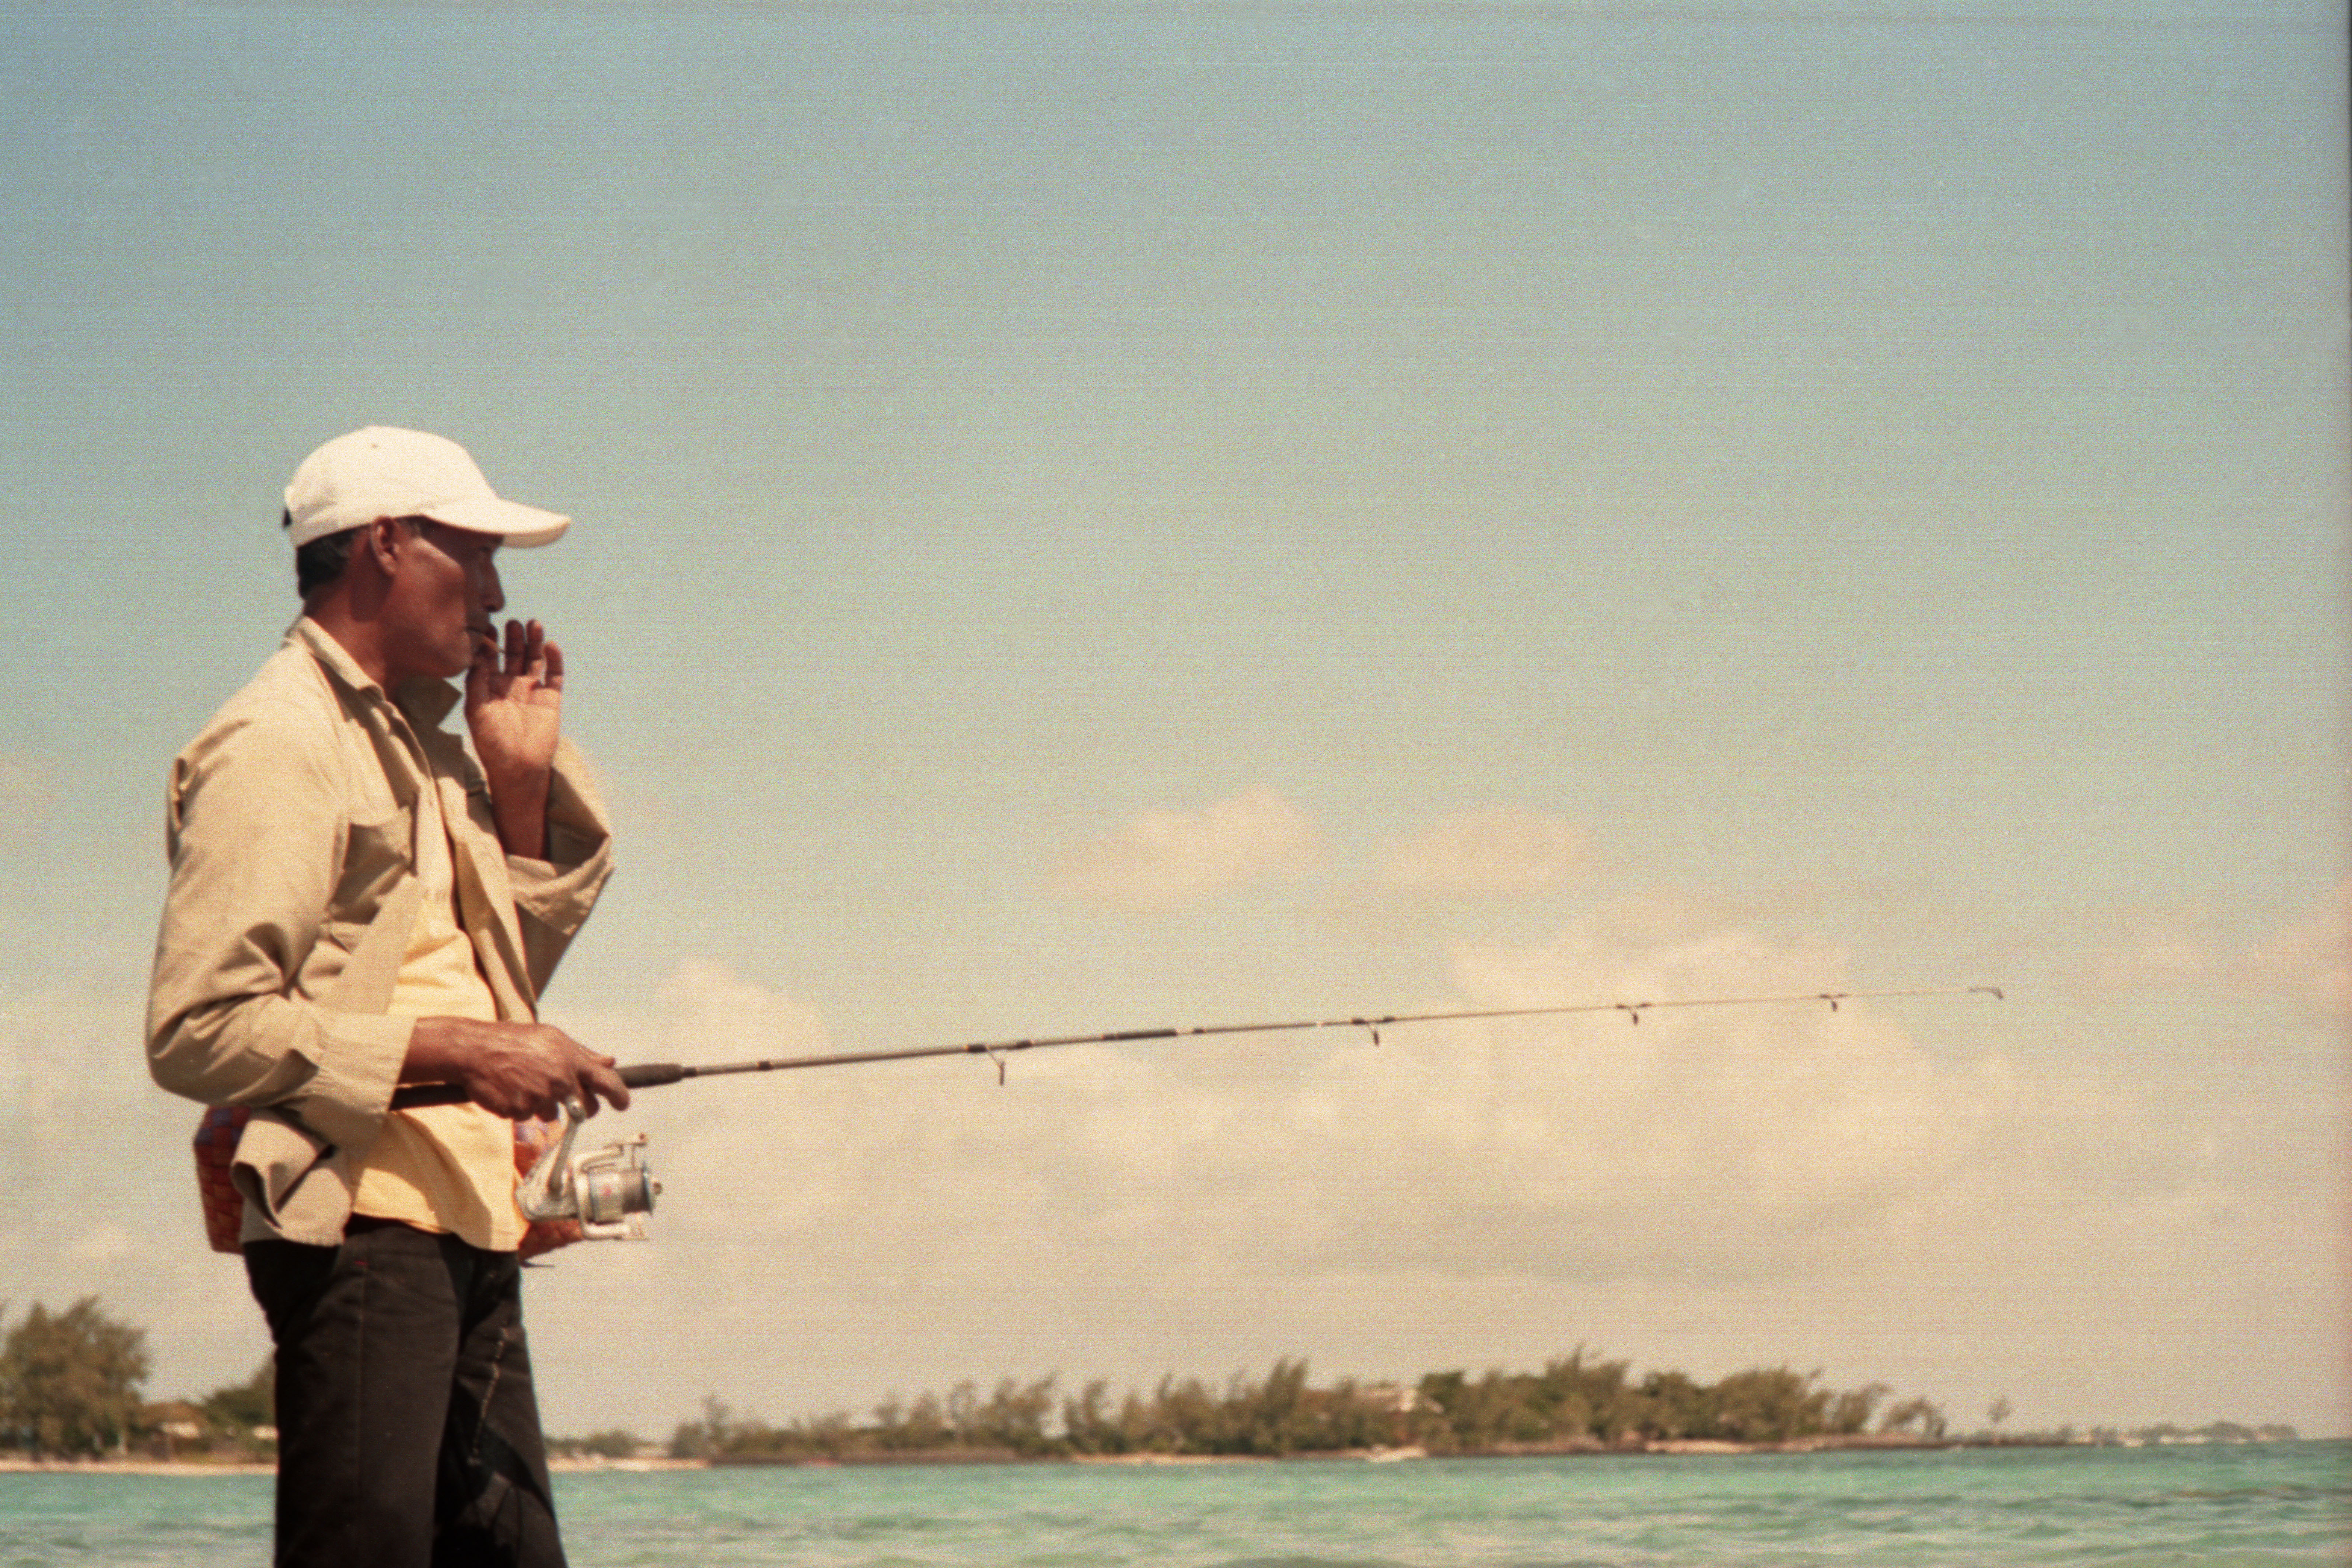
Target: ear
x: 381, y: 543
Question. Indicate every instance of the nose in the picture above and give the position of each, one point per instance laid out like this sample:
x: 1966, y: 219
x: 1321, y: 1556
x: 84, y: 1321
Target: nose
x: 494, y: 598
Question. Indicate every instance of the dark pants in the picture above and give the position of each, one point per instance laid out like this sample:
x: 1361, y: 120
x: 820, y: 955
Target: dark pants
x: 407, y: 1432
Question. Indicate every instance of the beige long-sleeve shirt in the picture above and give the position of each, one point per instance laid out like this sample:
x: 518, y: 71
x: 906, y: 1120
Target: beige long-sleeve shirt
x: 294, y: 900
x: 447, y: 1168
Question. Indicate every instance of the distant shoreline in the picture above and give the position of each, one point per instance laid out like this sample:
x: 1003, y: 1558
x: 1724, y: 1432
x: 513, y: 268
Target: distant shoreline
x: 18, y: 1465
x: 1668, y: 1448
x: 1858, y: 1442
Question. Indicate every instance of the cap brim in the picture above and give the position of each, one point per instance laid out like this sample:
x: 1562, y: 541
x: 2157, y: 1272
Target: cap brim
x: 523, y: 527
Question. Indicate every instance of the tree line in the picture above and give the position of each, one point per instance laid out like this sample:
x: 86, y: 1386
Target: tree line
x: 72, y: 1385
x: 69, y: 1381
x: 1579, y: 1401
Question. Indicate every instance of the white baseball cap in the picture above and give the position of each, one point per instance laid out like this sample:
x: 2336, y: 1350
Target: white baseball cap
x: 382, y: 472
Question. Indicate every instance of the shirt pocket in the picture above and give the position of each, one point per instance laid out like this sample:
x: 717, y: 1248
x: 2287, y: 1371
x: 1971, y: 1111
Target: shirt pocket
x: 378, y: 854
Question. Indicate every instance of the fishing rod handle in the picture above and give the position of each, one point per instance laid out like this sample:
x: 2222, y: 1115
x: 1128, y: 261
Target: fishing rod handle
x: 643, y: 1075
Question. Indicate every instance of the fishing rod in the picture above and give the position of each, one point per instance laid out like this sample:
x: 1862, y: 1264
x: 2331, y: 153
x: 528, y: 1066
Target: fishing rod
x: 611, y: 1190
x: 649, y: 1075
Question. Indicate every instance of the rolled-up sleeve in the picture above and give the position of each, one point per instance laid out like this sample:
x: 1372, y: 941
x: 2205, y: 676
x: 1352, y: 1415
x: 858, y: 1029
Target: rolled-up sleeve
x: 553, y: 897
x: 256, y: 840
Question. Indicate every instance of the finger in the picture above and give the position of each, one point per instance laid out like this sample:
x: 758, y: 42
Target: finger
x: 482, y: 667
x: 554, y: 678
x: 598, y: 1078
x: 513, y: 1104
x: 480, y: 673
x: 534, y: 653
x: 515, y: 659
x: 524, y: 1102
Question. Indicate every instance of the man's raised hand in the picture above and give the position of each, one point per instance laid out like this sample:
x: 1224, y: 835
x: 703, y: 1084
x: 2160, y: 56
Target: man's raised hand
x: 514, y: 709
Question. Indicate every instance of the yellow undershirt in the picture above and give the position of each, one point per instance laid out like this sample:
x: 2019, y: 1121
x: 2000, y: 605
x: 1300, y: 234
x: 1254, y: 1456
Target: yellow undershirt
x: 442, y: 1168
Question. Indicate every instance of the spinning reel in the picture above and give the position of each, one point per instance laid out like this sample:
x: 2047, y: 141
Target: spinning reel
x: 610, y: 1192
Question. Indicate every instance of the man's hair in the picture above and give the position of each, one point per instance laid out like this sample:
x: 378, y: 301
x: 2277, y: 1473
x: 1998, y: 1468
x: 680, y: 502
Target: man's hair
x: 320, y: 561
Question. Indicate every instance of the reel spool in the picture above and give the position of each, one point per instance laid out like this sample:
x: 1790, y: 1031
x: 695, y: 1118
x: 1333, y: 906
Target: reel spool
x: 609, y: 1192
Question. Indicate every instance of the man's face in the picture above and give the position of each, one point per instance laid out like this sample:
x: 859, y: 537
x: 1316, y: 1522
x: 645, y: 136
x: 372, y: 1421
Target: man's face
x: 443, y: 595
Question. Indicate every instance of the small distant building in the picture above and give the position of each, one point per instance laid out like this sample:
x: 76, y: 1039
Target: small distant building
x: 1394, y: 1398
x: 173, y: 1422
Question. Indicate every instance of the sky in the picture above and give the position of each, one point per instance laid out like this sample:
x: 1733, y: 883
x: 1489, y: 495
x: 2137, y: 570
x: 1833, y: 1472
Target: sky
x: 1105, y: 517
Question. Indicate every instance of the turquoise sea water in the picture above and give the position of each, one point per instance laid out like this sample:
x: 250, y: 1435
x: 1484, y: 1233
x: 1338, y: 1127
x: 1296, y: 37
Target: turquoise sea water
x: 2270, y: 1504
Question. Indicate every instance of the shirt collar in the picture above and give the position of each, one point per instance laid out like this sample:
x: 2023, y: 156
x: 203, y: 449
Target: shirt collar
x: 422, y: 698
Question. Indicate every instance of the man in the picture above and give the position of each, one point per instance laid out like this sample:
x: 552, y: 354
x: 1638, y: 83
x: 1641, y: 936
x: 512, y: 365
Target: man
x: 357, y: 903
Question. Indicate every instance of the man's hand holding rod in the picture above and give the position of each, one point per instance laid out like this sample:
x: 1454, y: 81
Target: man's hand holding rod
x: 520, y: 1071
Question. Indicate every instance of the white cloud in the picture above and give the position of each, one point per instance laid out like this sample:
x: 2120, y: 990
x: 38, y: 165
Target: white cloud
x: 2311, y: 958
x: 103, y: 1244
x: 710, y: 1010
x: 25, y: 795
x: 1488, y: 851
x: 1700, y: 1143
x: 1164, y: 860
x: 2308, y: 960
x: 2158, y: 949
